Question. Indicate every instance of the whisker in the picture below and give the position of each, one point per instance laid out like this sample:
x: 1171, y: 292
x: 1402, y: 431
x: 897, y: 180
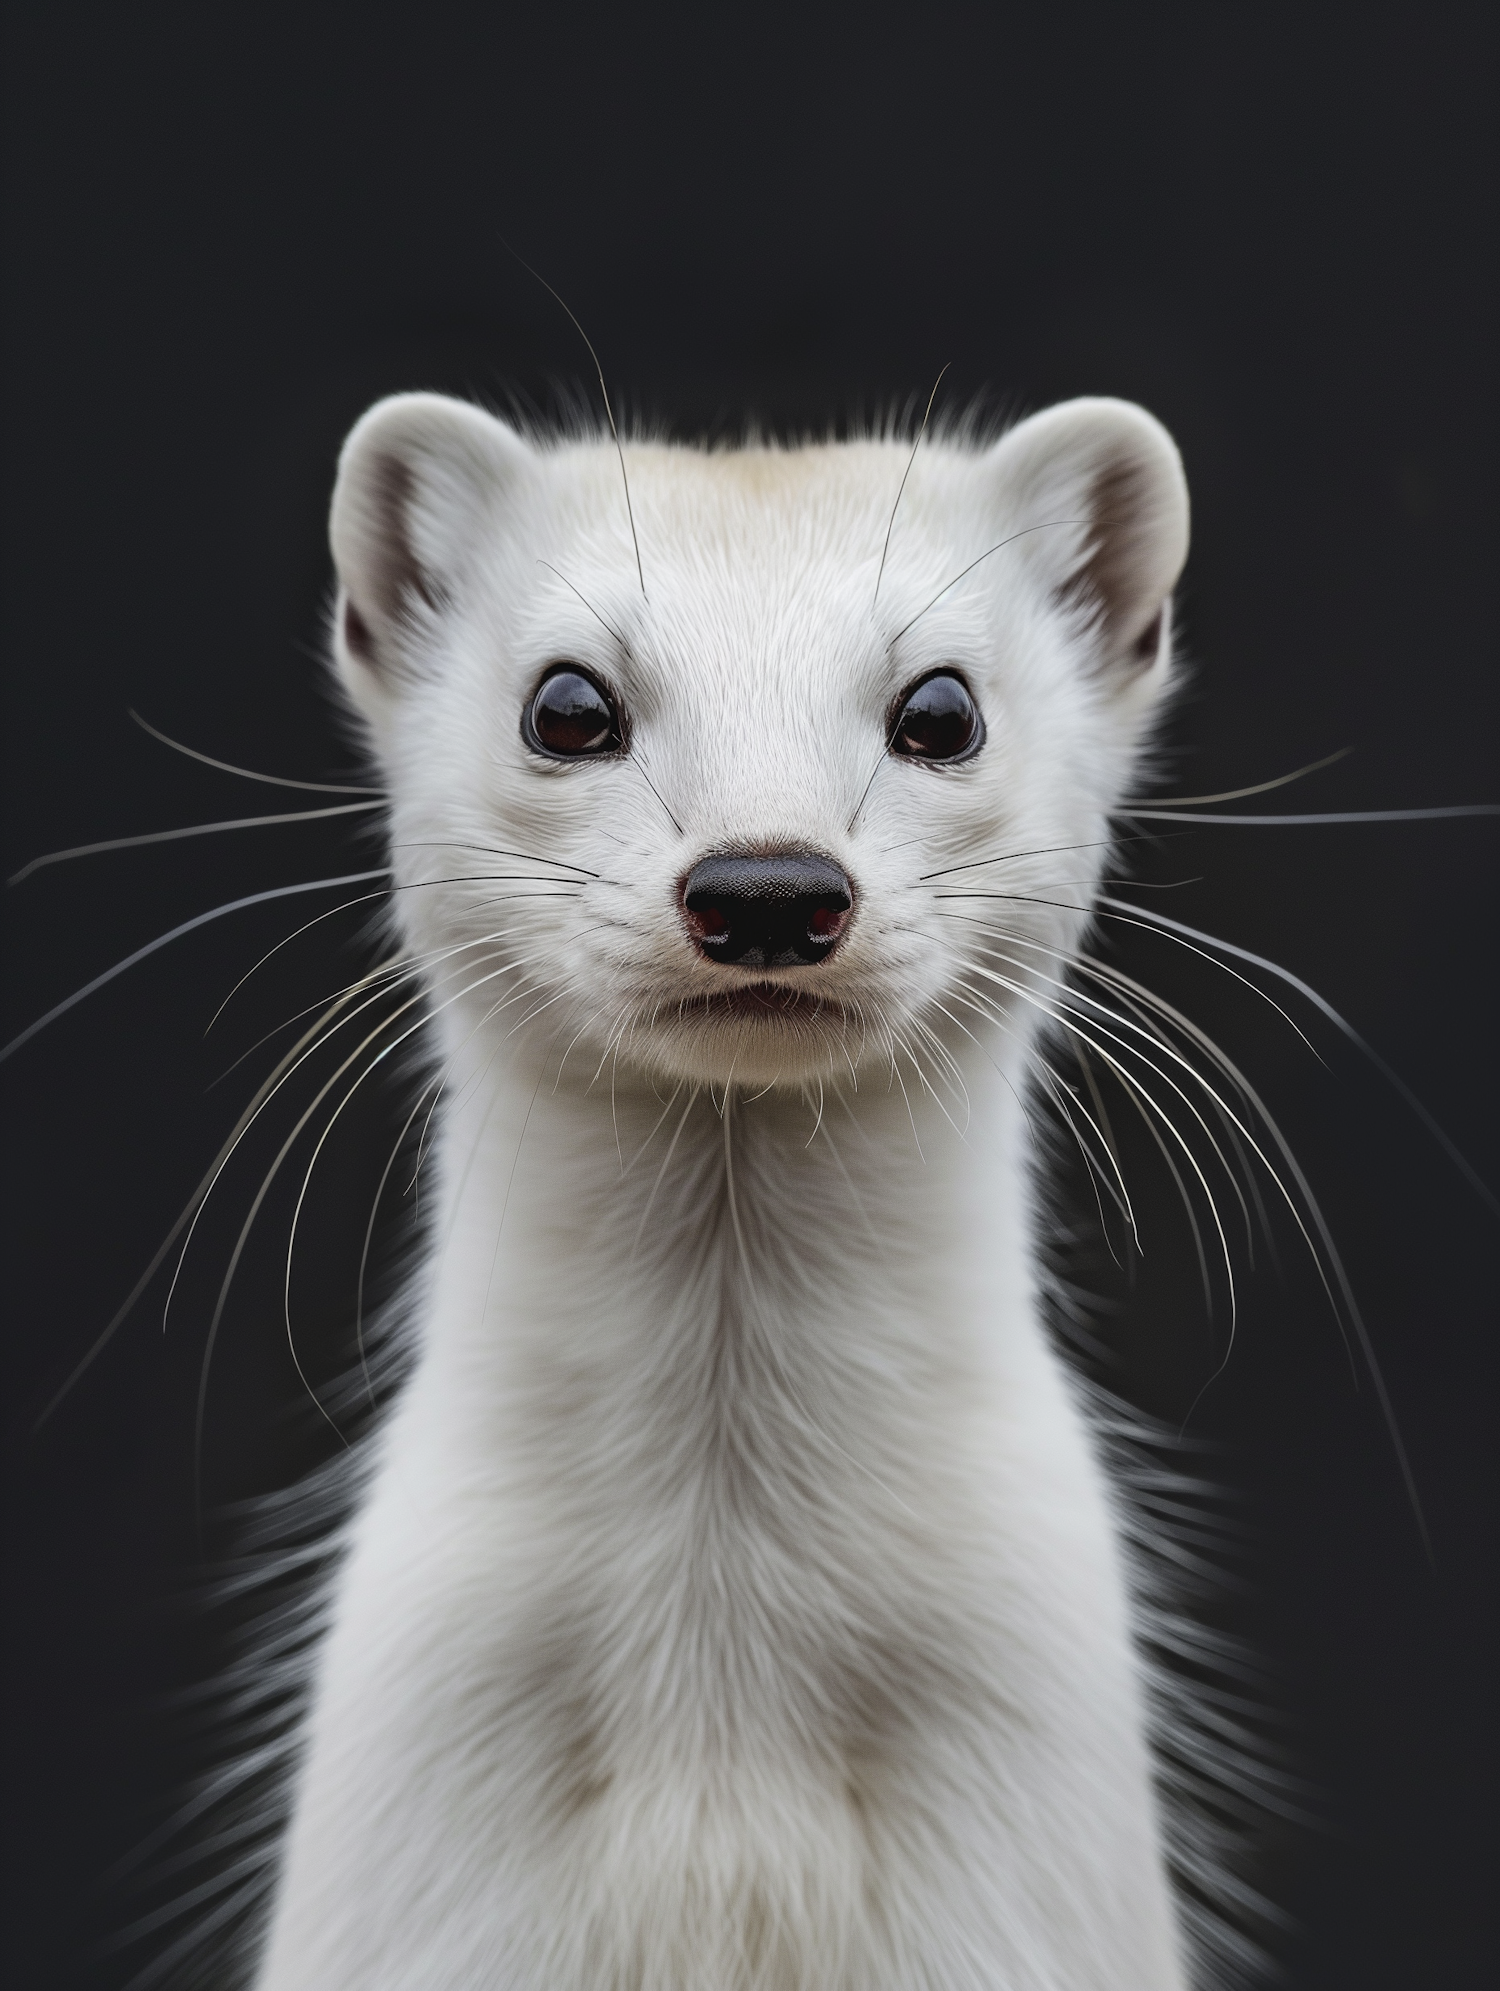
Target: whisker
x: 177, y: 932
x: 1120, y: 1196
x: 399, y: 967
x: 819, y: 1120
x: 1055, y: 1088
x: 364, y: 1256
x: 974, y: 999
x: 1146, y: 1015
x: 101, y: 1341
x: 248, y: 773
x: 493, y: 850
x: 916, y: 1137
x: 661, y: 1118
x: 1044, y: 850
x: 1181, y: 932
x: 366, y: 898
x: 603, y: 620
x: 192, y: 830
x: 233, y: 1266
x: 1158, y: 1038
x: 313, y: 1042
x: 1452, y: 812
x: 901, y: 488
x: 666, y: 1162
x: 1326, y: 1259
x: 633, y: 759
x: 1239, y: 794
x: 1045, y: 526
x: 435, y: 1086
x: 902, y: 1044
x: 294, y: 1059
x: 1144, y: 1024
x: 865, y: 792
x: 1060, y: 1015
x: 630, y: 510
x: 264, y: 1189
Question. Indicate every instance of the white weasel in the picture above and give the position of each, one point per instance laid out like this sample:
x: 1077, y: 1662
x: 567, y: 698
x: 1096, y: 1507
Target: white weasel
x: 737, y: 1603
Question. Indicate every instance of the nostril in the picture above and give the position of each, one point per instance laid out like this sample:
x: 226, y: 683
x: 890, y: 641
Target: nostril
x: 786, y: 910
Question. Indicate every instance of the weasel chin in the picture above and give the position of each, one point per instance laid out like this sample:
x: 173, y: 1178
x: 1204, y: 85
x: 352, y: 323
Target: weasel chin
x: 758, y: 1033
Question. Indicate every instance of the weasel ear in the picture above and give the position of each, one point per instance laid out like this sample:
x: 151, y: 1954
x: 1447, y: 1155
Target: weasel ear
x: 1112, y: 473
x: 420, y: 479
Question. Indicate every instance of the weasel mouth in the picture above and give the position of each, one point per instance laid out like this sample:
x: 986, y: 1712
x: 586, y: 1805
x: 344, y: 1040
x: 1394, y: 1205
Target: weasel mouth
x: 765, y: 1002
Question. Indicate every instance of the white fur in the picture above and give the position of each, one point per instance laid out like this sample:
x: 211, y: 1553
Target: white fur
x: 737, y: 1603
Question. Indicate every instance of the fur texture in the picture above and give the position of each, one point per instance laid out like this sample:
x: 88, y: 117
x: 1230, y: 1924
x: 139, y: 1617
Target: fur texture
x: 736, y: 1602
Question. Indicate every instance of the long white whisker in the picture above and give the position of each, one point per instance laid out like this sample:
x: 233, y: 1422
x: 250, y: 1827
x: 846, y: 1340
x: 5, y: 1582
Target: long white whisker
x: 975, y: 999
x: 177, y: 932
x: 1146, y: 1028
x: 901, y: 1044
x: 435, y: 1086
x: 313, y: 1042
x: 364, y: 1255
x: 248, y: 773
x: 1325, y: 1256
x: 1237, y: 794
x: 1125, y: 913
x: 666, y: 1160
x: 102, y: 1340
x: 495, y: 850
x: 1041, y: 850
x: 1119, y: 907
x: 191, y: 830
x: 264, y: 1189
x: 1455, y: 811
x: 365, y: 898
x: 1059, y: 1014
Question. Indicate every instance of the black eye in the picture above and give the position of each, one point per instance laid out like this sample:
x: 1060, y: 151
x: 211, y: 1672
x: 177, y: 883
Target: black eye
x: 570, y: 716
x: 938, y: 721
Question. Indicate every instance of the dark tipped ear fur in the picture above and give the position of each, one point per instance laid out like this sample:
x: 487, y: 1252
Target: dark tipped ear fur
x: 1113, y: 474
x: 419, y: 477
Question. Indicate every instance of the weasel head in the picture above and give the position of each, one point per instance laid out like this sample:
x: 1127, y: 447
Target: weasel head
x: 769, y: 799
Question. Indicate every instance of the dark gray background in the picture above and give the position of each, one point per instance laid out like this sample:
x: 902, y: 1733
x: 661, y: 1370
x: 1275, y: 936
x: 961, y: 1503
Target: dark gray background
x: 231, y: 228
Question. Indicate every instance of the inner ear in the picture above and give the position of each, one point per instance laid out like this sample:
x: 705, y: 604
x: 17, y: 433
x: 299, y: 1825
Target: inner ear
x: 389, y: 577
x: 1114, y: 578
x: 391, y: 567
x: 422, y: 480
x: 1148, y: 645
x: 1110, y: 475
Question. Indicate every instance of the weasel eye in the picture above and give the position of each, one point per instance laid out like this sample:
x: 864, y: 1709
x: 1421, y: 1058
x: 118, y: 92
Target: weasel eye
x: 570, y: 716
x: 938, y: 721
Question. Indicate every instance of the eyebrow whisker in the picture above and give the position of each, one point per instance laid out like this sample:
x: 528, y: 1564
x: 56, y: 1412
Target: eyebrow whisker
x: 891, y: 526
x: 1045, y: 526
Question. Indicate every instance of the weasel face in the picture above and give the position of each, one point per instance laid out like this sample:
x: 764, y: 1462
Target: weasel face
x: 788, y: 809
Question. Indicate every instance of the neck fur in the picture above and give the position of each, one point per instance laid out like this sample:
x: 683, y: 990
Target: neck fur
x: 697, y: 1277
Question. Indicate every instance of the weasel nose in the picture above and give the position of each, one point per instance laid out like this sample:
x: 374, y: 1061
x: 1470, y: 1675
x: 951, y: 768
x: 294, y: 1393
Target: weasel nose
x: 783, y: 911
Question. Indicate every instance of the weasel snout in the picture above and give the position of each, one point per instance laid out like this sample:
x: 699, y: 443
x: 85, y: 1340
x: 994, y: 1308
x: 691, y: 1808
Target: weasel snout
x: 785, y: 910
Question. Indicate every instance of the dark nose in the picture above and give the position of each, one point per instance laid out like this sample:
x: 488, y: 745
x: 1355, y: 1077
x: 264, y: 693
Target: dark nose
x: 767, y: 912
